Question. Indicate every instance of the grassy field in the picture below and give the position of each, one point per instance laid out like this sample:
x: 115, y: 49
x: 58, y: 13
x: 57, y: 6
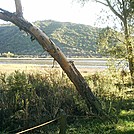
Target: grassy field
x: 33, y: 95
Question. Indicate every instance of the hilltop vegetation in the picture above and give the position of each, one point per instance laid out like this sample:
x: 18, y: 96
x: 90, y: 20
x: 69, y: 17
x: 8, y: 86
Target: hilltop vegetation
x: 73, y: 39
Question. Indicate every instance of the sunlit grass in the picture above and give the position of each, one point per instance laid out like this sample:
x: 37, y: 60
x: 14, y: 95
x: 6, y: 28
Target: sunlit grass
x: 48, y: 90
x: 126, y: 121
x: 124, y: 126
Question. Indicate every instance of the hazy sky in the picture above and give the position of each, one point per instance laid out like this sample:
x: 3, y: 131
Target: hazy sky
x: 59, y: 10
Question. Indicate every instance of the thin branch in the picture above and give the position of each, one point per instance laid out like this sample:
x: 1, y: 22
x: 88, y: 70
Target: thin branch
x: 111, y: 7
x: 115, y: 36
x: 41, y: 125
x: 119, y: 3
x: 101, y: 2
x: 114, y: 11
x: 119, y: 6
x: 18, y: 8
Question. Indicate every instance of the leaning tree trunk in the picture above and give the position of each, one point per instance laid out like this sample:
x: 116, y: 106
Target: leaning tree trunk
x: 49, y: 46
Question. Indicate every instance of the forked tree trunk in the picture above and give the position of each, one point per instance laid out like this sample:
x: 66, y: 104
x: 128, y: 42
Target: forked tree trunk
x: 49, y: 46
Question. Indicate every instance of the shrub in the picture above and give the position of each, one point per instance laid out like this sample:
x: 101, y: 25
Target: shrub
x: 30, y: 99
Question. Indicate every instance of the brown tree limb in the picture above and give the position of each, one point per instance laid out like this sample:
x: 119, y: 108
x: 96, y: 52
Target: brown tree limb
x: 68, y: 67
x: 18, y: 5
x: 101, y: 2
x: 114, y: 11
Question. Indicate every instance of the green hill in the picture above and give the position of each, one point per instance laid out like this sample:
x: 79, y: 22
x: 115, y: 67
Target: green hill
x: 73, y: 39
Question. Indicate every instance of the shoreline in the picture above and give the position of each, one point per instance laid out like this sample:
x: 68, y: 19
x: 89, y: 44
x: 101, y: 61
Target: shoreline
x: 28, y: 68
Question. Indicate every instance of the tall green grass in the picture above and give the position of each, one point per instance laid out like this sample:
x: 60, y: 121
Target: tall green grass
x: 30, y: 99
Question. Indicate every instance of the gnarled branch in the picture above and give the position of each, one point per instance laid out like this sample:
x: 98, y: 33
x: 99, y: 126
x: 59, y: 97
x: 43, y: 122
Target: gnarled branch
x: 68, y: 67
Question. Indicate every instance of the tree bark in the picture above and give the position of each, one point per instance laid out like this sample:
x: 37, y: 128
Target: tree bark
x: 128, y: 44
x: 68, y: 66
x: 18, y: 8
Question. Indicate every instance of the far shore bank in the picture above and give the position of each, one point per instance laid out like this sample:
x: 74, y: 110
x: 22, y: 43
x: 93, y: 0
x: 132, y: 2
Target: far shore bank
x: 32, y: 68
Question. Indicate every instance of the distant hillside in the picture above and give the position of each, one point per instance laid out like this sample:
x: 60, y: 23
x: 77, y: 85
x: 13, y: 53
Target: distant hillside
x: 73, y: 39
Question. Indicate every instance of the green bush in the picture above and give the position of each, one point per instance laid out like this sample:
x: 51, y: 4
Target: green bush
x: 30, y: 99
x: 113, y: 89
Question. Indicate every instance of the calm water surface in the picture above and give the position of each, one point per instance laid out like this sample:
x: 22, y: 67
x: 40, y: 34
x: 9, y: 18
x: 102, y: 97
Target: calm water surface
x: 79, y: 62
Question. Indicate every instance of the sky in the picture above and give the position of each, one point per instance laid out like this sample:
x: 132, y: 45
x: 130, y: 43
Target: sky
x: 58, y: 10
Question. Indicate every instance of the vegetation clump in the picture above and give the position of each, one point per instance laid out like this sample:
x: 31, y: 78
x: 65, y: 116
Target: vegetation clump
x: 27, y: 100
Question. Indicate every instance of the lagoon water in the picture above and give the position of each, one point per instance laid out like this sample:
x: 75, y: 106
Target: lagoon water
x: 48, y: 62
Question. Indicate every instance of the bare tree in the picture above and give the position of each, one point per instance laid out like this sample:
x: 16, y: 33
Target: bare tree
x: 49, y: 46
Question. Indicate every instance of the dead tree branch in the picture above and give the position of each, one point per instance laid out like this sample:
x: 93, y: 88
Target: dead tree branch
x: 19, y: 11
x: 68, y: 67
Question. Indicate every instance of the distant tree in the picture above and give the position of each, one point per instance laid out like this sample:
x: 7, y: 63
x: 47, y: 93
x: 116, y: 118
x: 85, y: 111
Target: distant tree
x: 49, y: 46
x: 110, y: 43
x: 8, y: 54
x: 124, y: 11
